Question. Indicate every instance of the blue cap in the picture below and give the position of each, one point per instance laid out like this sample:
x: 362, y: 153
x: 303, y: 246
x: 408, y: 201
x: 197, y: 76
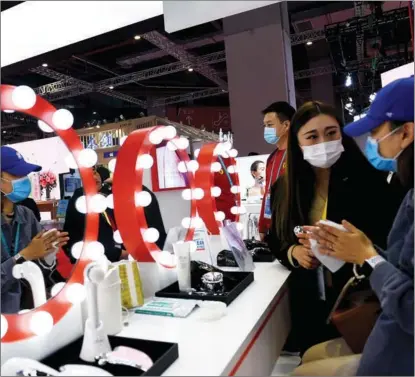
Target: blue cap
x: 12, y: 162
x: 394, y: 102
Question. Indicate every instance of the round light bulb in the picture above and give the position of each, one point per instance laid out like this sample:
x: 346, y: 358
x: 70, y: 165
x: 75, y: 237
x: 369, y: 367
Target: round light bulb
x: 196, y: 153
x: 24, y: 97
x: 151, y: 235
x: 75, y: 293
x: 187, y: 194
x: 233, y: 153
x: 193, y: 165
x: 57, y: 288
x: 111, y: 165
x: 94, y: 250
x: 9, y: 111
x: 182, y: 167
x: 44, y: 126
x: 142, y: 199
x: 198, y: 193
x: 110, y: 201
x: 62, y: 119
x: 235, y: 189
x: 171, y: 145
x: 117, y: 237
x: 41, y: 323
x: 122, y: 140
x: 88, y: 158
x: 220, y: 216
x: 232, y: 169
x: 169, y: 132
x: 156, y: 137
x: 240, y: 226
x: 186, y: 222
x: 71, y: 162
x: 182, y: 143
x: 216, y: 191
x: 145, y: 161
x: 218, y: 150
x: 216, y: 167
x: 76, y: 250
x: 197, y: 222
x: 80, y: 204
x: 4, y: 326
x: 98, y: 203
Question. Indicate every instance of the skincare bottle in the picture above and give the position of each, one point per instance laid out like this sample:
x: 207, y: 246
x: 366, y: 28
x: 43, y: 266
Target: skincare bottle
x: 182, y: 251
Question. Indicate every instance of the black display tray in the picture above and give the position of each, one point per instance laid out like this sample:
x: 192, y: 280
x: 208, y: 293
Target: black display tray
x: 264, y: 258
x: 234, y: 282
x: 163, y: 355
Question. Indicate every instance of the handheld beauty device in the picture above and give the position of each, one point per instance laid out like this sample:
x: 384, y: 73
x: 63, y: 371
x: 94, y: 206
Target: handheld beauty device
x: 32, y: 273
x: 50, y: 258
x: 95, y: 338
x: 82, y: 370
x: 21, y: 366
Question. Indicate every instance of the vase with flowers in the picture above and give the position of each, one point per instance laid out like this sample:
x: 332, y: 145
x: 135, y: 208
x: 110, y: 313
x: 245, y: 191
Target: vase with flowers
x: 47, y: 182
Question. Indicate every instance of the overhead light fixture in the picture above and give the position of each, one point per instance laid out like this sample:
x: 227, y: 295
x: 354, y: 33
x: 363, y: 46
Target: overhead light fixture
x: 348, y: 81
x: 372, y: 97
x: 4, y: 132
x: 45, y: 65
x: 98, y: 126
x: 95, y: 113
x: 137, y: 37
x: 309, y: 43
x: 111, y: 87
x: 190, y: 69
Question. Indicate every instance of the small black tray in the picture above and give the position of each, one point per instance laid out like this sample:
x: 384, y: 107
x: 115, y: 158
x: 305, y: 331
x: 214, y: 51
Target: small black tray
x: 268, y: 258
x: 163, y: 355
x: 235, y: 283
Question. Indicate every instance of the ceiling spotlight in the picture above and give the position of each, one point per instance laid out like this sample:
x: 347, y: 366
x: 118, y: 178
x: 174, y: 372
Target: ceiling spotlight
x: 122, y: 117
x: 45, y: 65
x: 190, y: 69
x: 348, y: 81
x: 137, y: 37
x: 95, y: 113
x: 98, y: 126
x: 309, y: 43
x: 111, y: 87
x: 372, y: 97
x: 4, y: 132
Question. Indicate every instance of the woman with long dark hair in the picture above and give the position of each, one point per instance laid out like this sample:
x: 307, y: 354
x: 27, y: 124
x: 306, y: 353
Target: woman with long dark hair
x: 327, y: 177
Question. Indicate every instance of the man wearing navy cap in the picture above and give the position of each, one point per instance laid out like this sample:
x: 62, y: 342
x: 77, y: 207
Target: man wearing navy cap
x: 389, y: 350
x: 21, y: 235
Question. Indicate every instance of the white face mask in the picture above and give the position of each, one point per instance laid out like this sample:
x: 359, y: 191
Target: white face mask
x: 323, y: 155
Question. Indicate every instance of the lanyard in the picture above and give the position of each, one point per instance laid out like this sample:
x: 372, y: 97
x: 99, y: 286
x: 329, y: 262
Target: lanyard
x: 16, y: 242
x: 279, y: 170
x: 226, y: 171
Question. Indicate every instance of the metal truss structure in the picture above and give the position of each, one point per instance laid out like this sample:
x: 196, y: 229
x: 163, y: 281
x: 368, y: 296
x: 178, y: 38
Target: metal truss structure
x: 189, y: 96
x: 306, y: 36
x: 313, y: 72
x: 180, y: 53
x: 359, y: 12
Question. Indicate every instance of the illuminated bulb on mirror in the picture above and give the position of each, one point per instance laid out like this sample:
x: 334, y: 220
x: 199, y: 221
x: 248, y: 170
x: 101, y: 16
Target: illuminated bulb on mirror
x: 41, y: 323
x: 169, y: 132
x: 23, y: 97
x: 117, y: 237
x: 71, y: 162
x: 80, y: 204
x: 232, y: 169
x: 4, y: 326
x: 198, y: 193
x: 216, y: 191
x: 156, y: 137
x: 44, y: 127
x: 182, y: 143
x: 62, y: 119
x: 235, y: 189
x: 196, y: 153
x: 145, y: 161
x: 216, y: 167
x: 193, y: 165
x: 98, y: 203
x: 76, y: 250
x: 233, y: 153
x: 151, y: 235
x: 94, y: 250
x: 111, y: 165
x: 187, y: 194
x: 122, y: 140
x: 171, y: 145
x: 182, y: 167
x: 197, y: 222
x: 75, y: 293
x: 142, y: 199
x: 238, y: 210
x: 57, y: 288
x: 240, y: 226
x: 220, y: 216
x: 186, y: 222
x: 110, y: 201
x: 88, y: 158
x: 9, y: 111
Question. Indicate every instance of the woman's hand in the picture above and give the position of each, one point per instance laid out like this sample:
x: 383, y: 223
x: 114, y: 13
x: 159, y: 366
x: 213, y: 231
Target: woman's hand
x: 352, y: 246
x: 305, y: 257
x: 304, y: 239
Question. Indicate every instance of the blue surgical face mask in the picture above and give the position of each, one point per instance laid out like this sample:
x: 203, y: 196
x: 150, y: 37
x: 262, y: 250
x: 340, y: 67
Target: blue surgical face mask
x: 21, y: 189
x: 270, y: 135
x: 379, y: 162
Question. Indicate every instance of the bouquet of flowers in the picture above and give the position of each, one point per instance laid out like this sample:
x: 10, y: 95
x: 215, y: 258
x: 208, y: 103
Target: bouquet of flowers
x: 47, y: 182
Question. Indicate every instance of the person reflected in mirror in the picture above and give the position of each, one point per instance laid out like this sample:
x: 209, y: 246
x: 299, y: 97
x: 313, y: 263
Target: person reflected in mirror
x: 21, y: 234
x: 328, y: 178
x: 258, y: 174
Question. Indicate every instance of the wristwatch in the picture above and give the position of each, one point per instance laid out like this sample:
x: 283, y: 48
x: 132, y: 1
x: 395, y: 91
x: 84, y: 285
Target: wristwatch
x: 370, y: 264
x: 19, y: 259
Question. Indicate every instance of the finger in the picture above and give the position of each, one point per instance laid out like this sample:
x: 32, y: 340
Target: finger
x: 303, y: 236
x: 310, y: 229
x: 329, y: 229
x: 52, y: 236
x: 326, y: 251
x: 325, y: 235
x: 350, y: 227
x: 62, y: 244
x: 40, y: 234
x: 305, y: 243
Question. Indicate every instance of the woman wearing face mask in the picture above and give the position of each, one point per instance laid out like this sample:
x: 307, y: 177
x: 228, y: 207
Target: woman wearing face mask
x: 389, y: 350
x: 327, y: 178
x: 21, y: 234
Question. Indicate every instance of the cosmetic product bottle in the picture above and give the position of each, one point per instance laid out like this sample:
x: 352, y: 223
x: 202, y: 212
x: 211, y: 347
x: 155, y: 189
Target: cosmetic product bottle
x: 182, y: 251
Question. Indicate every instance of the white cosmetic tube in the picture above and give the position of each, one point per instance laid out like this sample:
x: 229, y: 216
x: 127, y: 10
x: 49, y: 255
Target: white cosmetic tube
x: 182, y: 251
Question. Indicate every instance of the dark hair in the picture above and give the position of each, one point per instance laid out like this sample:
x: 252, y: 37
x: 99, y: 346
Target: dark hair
x: 293, y: 203
x: 254, y: 166
x: 405, y: 160
x: 283, y: 110
x: 253, y: 154
x: 103, y: 172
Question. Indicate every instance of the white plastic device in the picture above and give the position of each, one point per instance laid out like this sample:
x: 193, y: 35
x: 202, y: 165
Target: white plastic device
x: 50, y: 258
x: 82, y: 370
x: 95, y: 338
x: 333, y: 225
x: 32, y: 273
x: 21, y: 366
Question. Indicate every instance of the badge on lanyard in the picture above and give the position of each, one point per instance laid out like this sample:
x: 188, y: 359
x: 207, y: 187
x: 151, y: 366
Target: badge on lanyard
x: 267, y: 208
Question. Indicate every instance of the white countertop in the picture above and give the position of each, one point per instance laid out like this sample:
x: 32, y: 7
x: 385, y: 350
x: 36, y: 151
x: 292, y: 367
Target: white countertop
x: 206, y: 348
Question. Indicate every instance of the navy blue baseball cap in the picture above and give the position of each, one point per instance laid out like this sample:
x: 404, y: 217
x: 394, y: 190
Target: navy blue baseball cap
x: 12, y: 162
x: 394, y: 102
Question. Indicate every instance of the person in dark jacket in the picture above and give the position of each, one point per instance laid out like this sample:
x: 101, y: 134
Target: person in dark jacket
x: 327, y: 178
x: 31, y: 204
x: 389, y: 350
x: 75, y: 221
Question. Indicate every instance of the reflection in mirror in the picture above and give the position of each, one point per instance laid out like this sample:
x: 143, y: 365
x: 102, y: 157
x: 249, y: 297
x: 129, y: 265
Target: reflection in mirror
x: 33, y: 205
